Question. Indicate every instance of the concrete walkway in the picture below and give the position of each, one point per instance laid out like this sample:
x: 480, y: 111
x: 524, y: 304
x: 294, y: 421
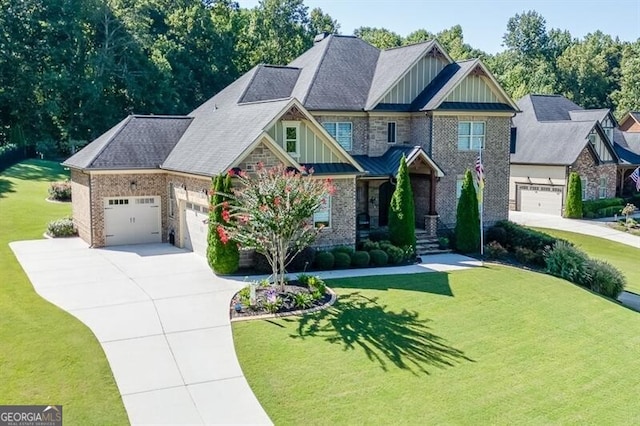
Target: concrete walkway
x: 586, y: 227
x: 162, y: 318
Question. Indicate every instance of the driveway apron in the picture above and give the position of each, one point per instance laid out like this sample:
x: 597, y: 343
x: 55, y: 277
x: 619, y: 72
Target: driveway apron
x: 162, y: 318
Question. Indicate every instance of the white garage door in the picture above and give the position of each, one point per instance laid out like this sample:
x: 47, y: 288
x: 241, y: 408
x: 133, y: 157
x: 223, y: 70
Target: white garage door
x: 196, y: 220
x: 540, y: 199
x: 132, y: 220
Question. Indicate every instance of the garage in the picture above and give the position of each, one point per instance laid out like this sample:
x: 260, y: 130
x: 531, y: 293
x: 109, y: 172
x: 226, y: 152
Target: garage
x: 132, y: 220
x: 196, y: 228
x: 544, y: 199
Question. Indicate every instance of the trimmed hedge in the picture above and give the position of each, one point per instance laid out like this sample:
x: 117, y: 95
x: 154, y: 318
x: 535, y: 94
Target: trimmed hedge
x: 60, y: 191
x: 61, y: 228
x: 520, y: 236
x: 341, y: 260
x: 325, y: 260
x: 379, y: 257
x: 590, y: 208
x: 360, y: 259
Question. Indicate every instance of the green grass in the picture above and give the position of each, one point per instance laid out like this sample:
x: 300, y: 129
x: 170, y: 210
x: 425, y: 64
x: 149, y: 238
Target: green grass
x: 492, y: 345
x: 622, y: 256
x: 46, y: 355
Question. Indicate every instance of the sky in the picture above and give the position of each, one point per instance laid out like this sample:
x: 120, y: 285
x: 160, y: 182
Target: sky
x: 483, y: 22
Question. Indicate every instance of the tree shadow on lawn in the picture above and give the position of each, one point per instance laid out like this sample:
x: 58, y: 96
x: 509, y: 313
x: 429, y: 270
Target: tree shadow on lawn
x: 6, y: 186
x: 30, y: 170
x: 399, y: 338
x: 426, y: 282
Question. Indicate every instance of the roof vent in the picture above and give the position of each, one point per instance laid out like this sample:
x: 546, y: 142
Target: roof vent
x: 320, y: 37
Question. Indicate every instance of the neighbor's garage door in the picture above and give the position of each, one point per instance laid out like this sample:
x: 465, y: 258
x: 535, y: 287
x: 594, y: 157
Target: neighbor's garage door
x: 132, y: 220
x: 540, y: 199
x: 196, y: 220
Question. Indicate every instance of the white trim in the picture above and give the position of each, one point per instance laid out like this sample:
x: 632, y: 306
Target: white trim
x: 395, y: 132
x: 329, y: 210
x: 472, y: 135
x: 419, y: 153
x: 290, y: 124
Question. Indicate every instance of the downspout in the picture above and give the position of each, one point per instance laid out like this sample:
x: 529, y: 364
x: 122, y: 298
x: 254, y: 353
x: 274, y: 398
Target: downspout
x: 90, y: 211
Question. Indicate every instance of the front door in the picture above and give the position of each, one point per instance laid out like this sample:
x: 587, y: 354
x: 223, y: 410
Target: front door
x: 384, y: 198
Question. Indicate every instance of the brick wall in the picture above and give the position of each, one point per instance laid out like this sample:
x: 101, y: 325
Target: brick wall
x: 378, y: 138
x: 80, y: 203
x: 343, y: 216
x: 454, y: 163
x: 119, y: 185
x: 261, y: 154
x: 421, y: 131
x: 587, y: 167
x: 359, y: 129
x: 185, y: 189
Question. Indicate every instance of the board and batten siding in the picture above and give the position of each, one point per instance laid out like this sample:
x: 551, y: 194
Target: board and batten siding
x: 536, y: 175
x: 414, y: 82
x: 313, y: 146
x: 601, y: 149
x: 473, y: 89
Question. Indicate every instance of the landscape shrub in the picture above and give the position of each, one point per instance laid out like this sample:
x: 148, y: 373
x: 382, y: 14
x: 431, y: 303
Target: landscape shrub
x: 341, y: 260
x: 605, y: 278
x: 591, y: 207
x: 443, y: 243
x: 303, y: 260
x: 368, y: 245
x: 379, y: 257
x: 385, y: 244
x: 261, y: 264
x: 60, y: 191
x: 360, y: 259
x: 609, y: 211
x: 325, y: 260
x: 402, y: 223
x: 568, y: 262
x: 494, y: 250
x: 496, y: 233
x: 317, y: 287
x: 379, y: 235
x: 520, y: 236
x: 343, y: 249
x: 573, y: 206
x: 527, y: 256
x: 396, y: 254
x: 467, y: 218
x: 61, y: 228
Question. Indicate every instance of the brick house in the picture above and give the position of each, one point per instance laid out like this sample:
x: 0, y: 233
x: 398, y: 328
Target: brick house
x: 344, y: 107
x: 554, y: 137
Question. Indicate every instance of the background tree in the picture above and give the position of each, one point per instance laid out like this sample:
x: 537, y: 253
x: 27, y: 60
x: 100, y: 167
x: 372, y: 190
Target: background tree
x: 627, y: 97
x: 382, y: 38
x: 271, y: 213
x: 573, y: 207
x: 468, y: 218
x: 222, y: 253
x: 402, y: 216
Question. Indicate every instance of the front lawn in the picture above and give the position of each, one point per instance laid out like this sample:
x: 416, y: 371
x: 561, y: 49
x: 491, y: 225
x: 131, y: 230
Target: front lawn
x: 622, y: 256
x: 46, y: 355
x: 492, y: 345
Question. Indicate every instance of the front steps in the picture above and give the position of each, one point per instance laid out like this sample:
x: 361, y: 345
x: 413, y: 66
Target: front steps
x: 426, y: 244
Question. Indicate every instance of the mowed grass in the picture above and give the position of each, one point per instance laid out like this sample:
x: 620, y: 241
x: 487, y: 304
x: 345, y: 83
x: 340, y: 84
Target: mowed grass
x: 46, y: 355
x: 622, y: 256
x: 491, y: 345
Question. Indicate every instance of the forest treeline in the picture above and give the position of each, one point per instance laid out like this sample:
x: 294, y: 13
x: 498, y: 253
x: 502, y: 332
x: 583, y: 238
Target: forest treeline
x: 70, y: 69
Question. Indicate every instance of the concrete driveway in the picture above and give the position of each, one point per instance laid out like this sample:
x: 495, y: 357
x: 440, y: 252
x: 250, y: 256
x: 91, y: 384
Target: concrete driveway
x: 162, y: 318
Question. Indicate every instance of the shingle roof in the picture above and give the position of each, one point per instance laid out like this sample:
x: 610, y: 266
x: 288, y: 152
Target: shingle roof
x: 550, y: 107
x: 270, y: 82
x: 134, y: 143
x: 588, y: 114
x: 336, y: 74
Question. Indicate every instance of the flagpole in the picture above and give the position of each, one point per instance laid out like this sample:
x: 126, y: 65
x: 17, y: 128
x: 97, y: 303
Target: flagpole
x: 481, y: 188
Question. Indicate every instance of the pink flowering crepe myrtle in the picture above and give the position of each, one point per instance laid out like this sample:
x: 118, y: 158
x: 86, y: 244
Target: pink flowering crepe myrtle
x: 270, y: 211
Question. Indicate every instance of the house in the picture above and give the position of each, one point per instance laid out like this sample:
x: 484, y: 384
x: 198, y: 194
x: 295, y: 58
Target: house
x: 344, y: 107
x: 626, y: 138
x: 552, y: 138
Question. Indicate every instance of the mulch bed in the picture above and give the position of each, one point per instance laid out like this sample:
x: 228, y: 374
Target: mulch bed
x: 288, y: 306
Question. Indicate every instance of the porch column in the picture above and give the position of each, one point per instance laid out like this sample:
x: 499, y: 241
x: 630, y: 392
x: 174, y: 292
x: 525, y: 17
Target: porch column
x: 432, y: 195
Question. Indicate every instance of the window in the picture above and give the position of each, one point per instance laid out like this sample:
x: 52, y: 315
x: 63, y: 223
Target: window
x: 470, y: 135
x: 584, y: 182
x: 341, y: 132
x: 391, y: 132
x: 593, y: 137
x: 459, y: 183
x: 602, y: 189
x: 172, y: 198
x: 607, y: 125
x: 322, y: 216
x: 291, y: 138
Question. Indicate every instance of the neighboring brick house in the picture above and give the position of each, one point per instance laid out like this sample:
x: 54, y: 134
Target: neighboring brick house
x: 344, y: 107
x: 626, y: 141
x: 554, y: 137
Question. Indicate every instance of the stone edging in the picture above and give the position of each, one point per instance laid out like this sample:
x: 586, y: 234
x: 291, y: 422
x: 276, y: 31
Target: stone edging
x: 331, y: 301
x: 49, y: 200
